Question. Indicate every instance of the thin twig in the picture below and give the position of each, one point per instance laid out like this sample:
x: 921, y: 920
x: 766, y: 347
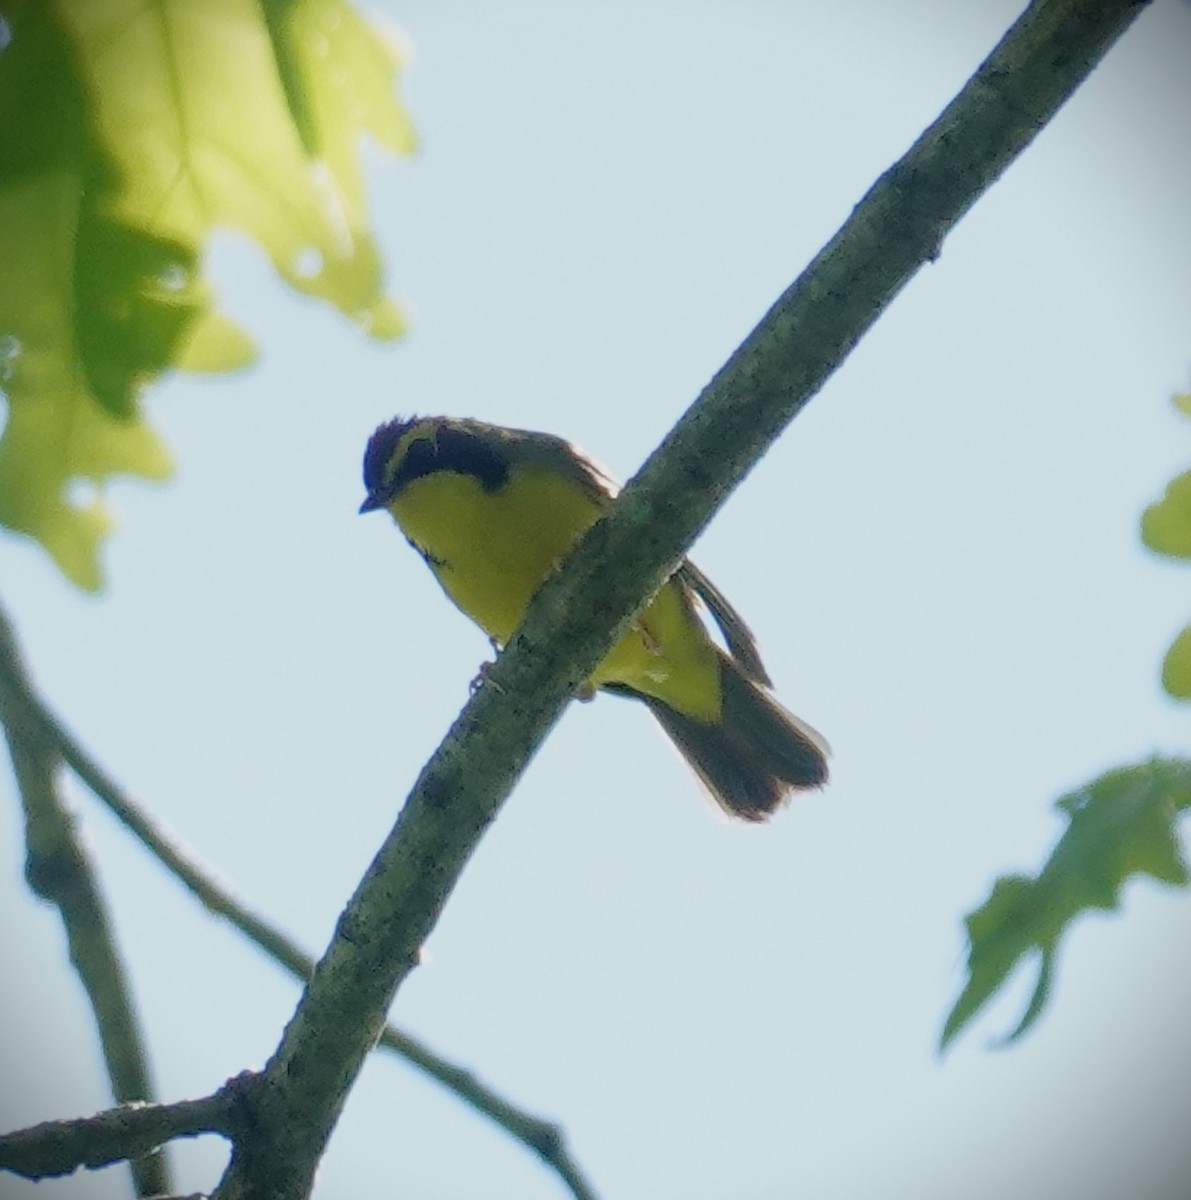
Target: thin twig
x: 128, y: 1132
x: 544, y: 1138
x: 59, y: 870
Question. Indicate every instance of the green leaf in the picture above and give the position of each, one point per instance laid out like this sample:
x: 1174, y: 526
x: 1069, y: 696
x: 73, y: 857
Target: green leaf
x: 1166, y: 528
x: 1120, y: 825
x: 57, y: 428
x: 1166, y: 524
x: 128, y: 132
x: 1176, y: 667
x: 248, y: 114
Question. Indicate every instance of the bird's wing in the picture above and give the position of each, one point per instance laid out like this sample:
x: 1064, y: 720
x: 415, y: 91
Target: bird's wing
x: 557, y: 454
x: 739, y: 637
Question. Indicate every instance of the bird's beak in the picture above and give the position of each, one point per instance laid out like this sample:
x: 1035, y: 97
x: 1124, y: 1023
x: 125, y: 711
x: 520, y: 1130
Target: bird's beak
x: 371, y: 504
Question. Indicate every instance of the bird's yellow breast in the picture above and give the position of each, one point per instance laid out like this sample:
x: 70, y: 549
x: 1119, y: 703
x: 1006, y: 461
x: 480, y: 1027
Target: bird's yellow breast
x: 492, y: 549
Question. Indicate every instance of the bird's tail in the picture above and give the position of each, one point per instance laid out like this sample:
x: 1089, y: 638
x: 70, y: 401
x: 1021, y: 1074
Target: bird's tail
x: 755, y: 754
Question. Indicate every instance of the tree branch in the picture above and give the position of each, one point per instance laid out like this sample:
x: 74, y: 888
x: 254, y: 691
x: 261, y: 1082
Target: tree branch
x: 128, y: 1132
x: 59, y: 871
x: 576, y: 616
x: 544, y: 1138
x: 21, y: 706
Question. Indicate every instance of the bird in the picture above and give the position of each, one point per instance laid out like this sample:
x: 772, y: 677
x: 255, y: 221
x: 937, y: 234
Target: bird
x: 494, y: 510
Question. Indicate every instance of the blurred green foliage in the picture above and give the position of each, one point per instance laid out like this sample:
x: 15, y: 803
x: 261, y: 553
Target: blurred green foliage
x: 1120, y: 825
x: 128, y: 132
x: 1166, y: 528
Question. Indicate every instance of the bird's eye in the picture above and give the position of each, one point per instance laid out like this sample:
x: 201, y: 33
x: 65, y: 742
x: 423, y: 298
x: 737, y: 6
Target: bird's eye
x: 417, y: 460
x: 382, y: 457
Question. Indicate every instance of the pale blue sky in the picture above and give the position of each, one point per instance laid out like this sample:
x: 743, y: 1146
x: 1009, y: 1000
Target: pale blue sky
x: 940, y: 559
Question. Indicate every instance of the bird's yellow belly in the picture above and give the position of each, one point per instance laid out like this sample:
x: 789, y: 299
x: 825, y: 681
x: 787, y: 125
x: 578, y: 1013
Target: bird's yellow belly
x: 491, y: 551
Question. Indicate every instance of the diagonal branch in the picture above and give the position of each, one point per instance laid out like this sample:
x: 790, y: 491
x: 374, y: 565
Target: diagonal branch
x: 897, y: 227
x: 59, y: 870
x: 21, y: 702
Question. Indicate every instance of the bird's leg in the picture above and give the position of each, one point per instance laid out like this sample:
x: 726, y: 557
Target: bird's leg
x: 483, y: 676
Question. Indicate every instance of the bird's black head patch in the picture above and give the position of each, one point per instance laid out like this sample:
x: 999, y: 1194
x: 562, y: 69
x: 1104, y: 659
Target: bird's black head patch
x: 379, y: 453
x: 402, y: 451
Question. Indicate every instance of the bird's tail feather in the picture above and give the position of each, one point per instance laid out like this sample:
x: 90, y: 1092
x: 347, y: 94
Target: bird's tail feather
x: 755, y: 754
